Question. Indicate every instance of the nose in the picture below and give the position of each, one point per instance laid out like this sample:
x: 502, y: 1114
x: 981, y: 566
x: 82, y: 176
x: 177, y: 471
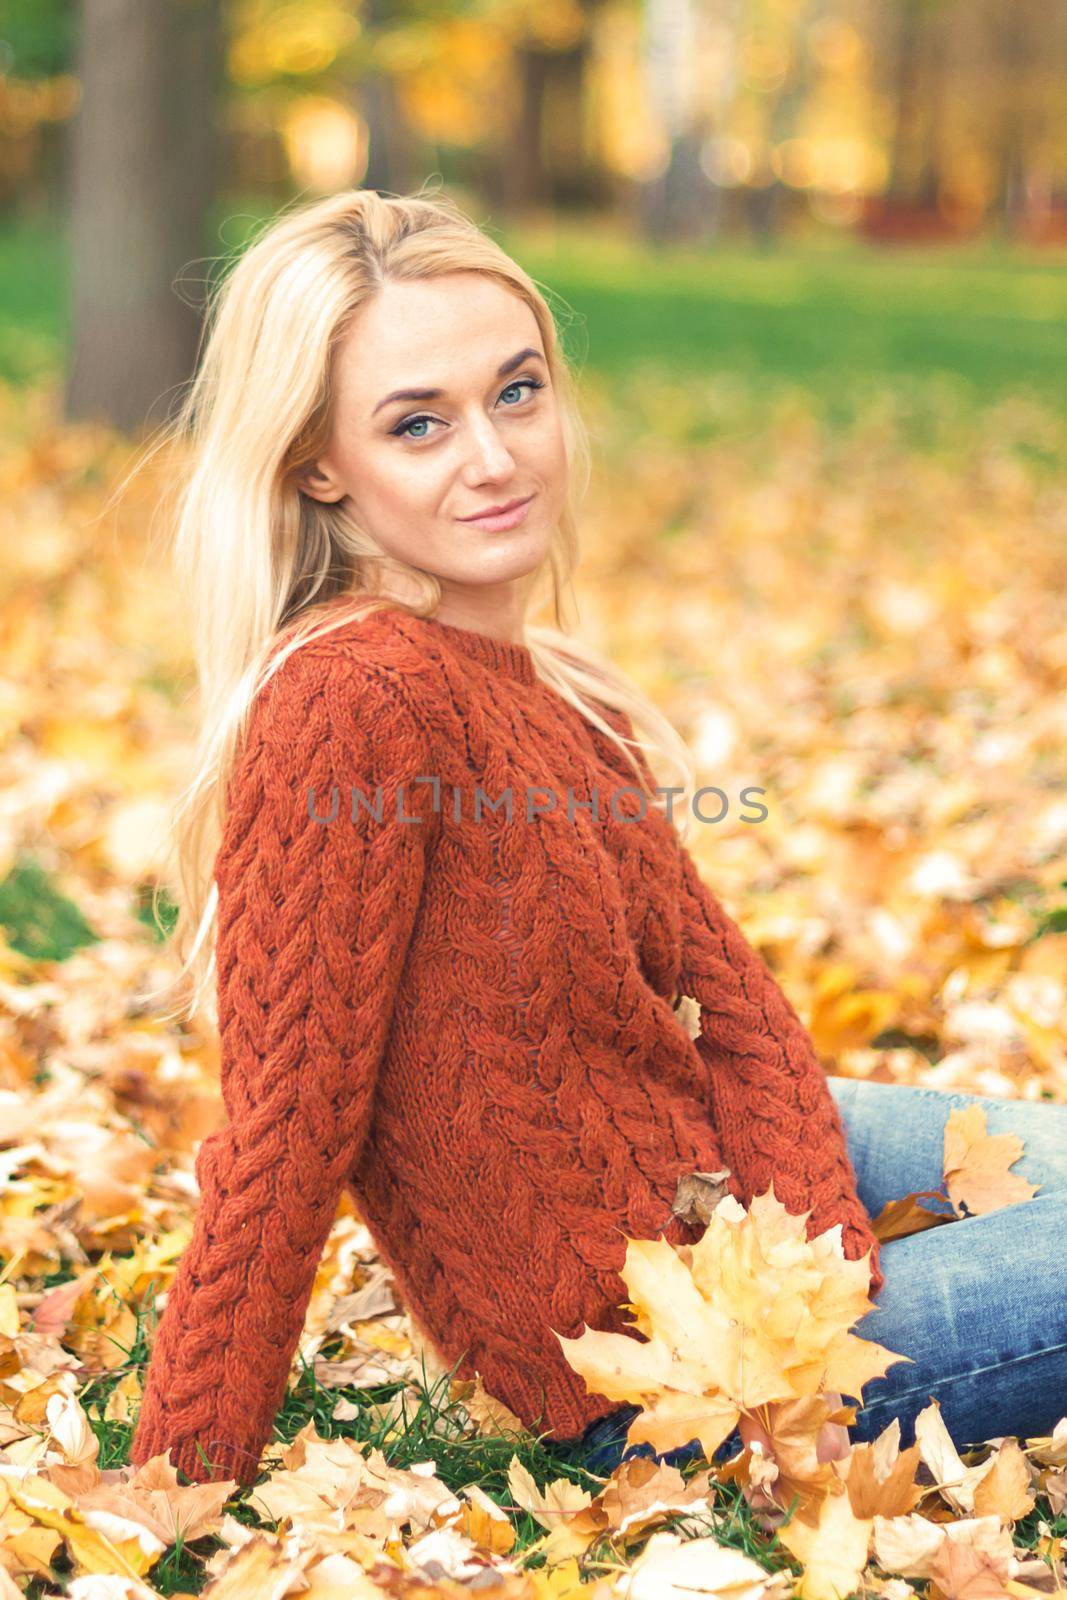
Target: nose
x: 488, y: 457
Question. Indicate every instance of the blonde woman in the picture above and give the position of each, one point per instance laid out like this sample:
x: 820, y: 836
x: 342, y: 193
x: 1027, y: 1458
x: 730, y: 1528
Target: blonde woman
x: 448, y: 913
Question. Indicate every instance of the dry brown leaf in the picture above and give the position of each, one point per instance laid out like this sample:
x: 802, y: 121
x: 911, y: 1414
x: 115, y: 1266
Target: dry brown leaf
x: 881, y: 1477
x: 641, y: 1492
x: 97, y: 1542
x: 1006, y: 1491
x: 899, y: 1218
x: 153, y: 1497
x: 970, y: 1572
x: 977, y: 1162
x: 697, y: 1194
x: 910, y: 1545
x: 482, y: 1521
x: 955, y: 1481
x: 668, y: 1569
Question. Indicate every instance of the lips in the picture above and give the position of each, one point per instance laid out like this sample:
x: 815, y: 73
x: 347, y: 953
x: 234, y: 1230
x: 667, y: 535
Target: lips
x: 497, y: 511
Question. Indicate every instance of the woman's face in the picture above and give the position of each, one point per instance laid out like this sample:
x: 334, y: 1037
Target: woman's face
x: 416, y: 469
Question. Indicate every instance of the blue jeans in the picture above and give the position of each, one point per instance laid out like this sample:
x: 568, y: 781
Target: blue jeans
x: 980, y: 1304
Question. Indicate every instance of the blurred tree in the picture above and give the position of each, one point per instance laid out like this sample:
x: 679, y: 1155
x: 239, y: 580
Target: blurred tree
x: 142, y: 173
x: 918, y: 59
x: 573, y: 175
x: 672, y: 197
x: 691, y: 51
x: 1021, y: 40
x: 390, y: 153
x: 779, y: 65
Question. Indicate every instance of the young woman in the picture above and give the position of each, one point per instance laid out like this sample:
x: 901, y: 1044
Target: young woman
x: 452, y: 915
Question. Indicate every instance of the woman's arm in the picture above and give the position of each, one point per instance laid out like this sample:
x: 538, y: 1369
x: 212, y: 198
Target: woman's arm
x: 771, y: 1105
x: 314, y: 921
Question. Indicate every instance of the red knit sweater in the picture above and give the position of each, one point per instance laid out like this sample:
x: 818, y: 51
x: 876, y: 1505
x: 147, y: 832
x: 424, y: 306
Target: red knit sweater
x: 470, y: 1024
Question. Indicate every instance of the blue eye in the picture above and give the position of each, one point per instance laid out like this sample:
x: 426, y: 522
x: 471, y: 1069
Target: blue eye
x: 534, y: 383
x: 401, y: 429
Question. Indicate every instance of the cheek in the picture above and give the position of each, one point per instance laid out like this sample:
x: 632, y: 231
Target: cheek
x: 555, y: 457
x: 396, y: 481
x: 548, y: 443
x: 396, y: 496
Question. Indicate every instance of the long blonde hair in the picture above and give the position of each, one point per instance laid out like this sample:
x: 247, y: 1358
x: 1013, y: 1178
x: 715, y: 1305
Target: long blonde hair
x: 256, y: 559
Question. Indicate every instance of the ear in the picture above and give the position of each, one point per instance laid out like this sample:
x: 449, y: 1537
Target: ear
x: 321, y: 484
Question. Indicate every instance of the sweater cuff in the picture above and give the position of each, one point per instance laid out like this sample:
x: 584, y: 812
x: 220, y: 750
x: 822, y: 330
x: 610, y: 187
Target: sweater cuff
x: 227, y: 1459
x: 856, y: 1240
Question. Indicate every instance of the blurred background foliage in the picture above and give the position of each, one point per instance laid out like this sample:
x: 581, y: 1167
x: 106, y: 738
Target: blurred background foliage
x: 808, y: 258
x: 781, y: 146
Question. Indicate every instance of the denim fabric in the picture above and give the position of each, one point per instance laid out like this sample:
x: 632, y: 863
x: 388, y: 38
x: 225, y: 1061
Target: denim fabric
x: 980, y: 1305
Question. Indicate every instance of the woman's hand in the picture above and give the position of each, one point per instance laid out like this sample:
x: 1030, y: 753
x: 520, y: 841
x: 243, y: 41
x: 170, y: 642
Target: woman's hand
x: 832, y: 1442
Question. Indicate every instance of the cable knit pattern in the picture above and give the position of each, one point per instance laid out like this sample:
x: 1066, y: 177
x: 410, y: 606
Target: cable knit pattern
x: 770, y: 1099
x: 467, y: 1018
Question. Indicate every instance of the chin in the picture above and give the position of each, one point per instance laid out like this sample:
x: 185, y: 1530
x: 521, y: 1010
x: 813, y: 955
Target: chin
x: 529, y: 558
x: 515, y: 551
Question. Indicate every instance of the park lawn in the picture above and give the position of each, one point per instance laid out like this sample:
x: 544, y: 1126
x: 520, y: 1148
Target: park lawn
x: 840, y: 318
x: 32, y: 299
x: 837, y: 317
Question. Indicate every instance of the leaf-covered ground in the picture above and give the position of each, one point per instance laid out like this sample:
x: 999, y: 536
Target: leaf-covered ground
x: 864, y: 621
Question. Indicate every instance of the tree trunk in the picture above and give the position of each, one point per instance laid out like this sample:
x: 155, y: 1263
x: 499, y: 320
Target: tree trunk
x: 141, y: 174
x: 677, y: 203
x: 1014, y: 45
x: 906, y: 46
x: 918, y: 89
x: 522, y: 183
x: 390, y: 149
x: 576, y: 182
x: 390, y: 143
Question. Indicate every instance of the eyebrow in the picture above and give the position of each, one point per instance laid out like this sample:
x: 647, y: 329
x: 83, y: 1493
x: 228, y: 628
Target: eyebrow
x: 435, y: 394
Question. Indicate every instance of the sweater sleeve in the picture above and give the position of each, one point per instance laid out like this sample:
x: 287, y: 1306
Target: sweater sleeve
x: 314, y: 921
x: 771, y: 1104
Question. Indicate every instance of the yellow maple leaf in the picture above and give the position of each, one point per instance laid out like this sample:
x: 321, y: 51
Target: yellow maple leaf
x: 832, y: 1547
x: 750, y: 1316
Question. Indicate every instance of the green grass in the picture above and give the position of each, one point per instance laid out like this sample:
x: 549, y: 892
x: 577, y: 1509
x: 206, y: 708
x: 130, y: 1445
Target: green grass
x: 33, y: 314
x: 39, y: 921
x: 842, y: 318
x: 837, y: 316
x: 422, y: 1425
x: 433, y: 1430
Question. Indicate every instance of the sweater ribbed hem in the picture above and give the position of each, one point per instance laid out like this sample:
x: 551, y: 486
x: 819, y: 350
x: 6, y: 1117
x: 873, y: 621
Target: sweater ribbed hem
x: 551, y: 1402
x: 508, y: 656
x: 226, y: 1458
